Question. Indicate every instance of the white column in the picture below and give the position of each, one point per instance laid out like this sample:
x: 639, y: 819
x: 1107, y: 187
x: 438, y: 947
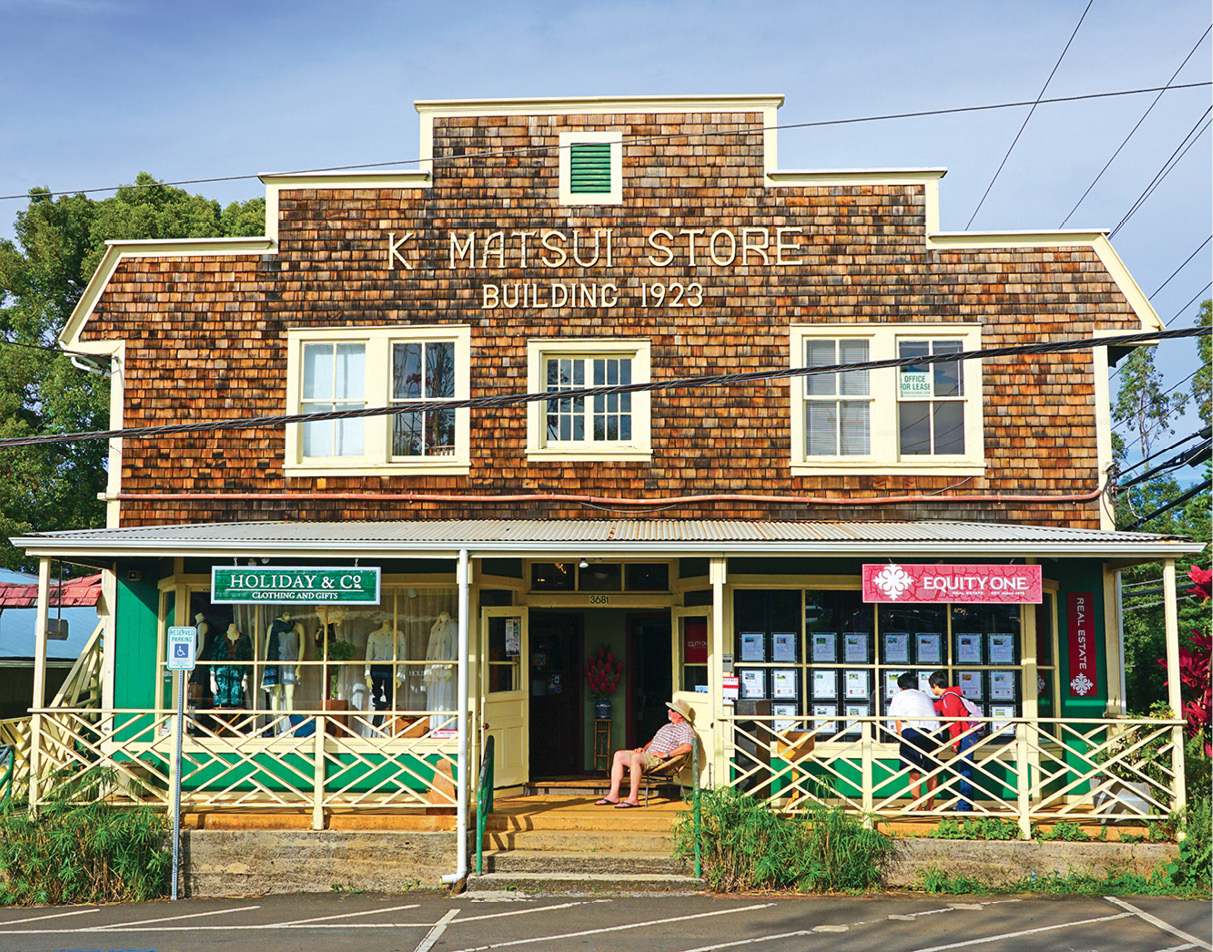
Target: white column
x: 39, y: 697
x: 1174, y: 699
x: 716, y: 651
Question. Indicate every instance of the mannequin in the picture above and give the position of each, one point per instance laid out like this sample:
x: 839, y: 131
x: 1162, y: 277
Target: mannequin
x: 229, y: 682
x: 198, y: 677
x: 439, y: 678
x: 381, y: 651
x: 284, y: 652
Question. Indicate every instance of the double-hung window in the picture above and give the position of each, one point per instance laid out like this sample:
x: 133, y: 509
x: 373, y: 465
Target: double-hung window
x: 919, y: 418
x: 590, y: 426
x: 418, y: 369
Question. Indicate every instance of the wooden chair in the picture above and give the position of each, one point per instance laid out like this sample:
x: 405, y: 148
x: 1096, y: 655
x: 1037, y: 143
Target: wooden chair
x: 666, y: 772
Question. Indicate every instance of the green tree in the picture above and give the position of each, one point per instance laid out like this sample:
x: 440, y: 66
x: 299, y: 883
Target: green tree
x: 59, y: 242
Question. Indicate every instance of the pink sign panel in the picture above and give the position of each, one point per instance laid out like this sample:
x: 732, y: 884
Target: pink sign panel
x: 973, y: 584
x: 1080, y: 612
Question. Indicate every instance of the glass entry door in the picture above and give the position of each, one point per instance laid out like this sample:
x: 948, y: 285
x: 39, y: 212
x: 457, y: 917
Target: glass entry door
x: 506, y: 692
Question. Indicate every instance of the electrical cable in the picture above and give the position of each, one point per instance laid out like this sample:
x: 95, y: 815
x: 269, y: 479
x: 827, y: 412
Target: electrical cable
x: 1174, y: 317
x: 1028, y: 117
x: 1200, y: 453
x: 1152, y: 430
x: 1171, y: 162
x: 1177, y: 501
x: 1199, y: 434
x: 507, y: 153
x: 1182, y: 266
x: 1149, y: 108
x: 678, y: 383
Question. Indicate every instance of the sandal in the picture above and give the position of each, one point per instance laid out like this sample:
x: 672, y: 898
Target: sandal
x: 624, y: 805
x: 604, y: 802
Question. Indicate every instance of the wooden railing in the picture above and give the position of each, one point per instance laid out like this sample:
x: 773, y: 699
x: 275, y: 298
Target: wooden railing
x: 1026, y: 770
x: 14, y: 766
x: 301, y: 760
x: 82, y: 686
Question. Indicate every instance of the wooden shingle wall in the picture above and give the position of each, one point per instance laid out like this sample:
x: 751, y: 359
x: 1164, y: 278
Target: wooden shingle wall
x: 206, y: 335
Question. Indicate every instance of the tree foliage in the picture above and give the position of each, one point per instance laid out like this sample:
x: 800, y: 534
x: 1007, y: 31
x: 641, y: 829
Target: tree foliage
x: 59, y: 242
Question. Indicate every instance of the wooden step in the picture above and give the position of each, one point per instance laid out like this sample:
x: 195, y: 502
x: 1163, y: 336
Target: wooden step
x: 554, y: 861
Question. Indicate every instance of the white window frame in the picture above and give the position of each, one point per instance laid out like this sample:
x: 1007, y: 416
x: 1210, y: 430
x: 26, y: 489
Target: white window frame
x: 539, y: 352
x: 377, y: 434
x: 615, y: 195
x: 885, y: 457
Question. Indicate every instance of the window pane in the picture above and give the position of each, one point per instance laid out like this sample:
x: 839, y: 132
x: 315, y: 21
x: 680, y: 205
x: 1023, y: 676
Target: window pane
x: 855, y: 428
x: 318, y: 437
x: 317, y: 371
x: 440, y: 432
x: 855, y: 382
x: 406, y: 434
x: 440, y: 369
x: 914, y: 427
x: 948, y: 376
x: 349, y: 437
x: 821, y: 428
x: 406, y: 371
x: 949, y: 427
x: 351, y: 363
x: 820, y: 353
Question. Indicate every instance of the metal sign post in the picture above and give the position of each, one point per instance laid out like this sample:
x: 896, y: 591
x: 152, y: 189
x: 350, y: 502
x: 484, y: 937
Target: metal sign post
x: 181, y: 651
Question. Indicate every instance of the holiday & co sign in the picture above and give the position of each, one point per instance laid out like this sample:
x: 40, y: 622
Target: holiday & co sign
x: 251, y: 586
x: 971, y: 584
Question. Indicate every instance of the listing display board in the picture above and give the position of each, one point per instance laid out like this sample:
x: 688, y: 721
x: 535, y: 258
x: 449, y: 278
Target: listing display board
x: 238, y: 585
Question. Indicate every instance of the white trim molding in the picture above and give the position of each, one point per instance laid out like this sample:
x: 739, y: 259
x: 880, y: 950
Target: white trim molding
x: 565, y: 194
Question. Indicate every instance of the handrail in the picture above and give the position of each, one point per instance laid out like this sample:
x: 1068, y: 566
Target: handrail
x: 695, y: 801
x: 484, y: 800
x: 9, y: 759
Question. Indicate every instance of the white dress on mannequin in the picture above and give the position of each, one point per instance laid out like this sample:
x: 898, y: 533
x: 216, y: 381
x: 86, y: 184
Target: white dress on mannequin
x: 440, y: 678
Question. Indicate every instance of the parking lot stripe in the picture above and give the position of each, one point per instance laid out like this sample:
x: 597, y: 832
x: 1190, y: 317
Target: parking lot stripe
x: 1158, y: 923
x: 436, y: 933
x: 138, y: 923
x: 527, y: 912
x: 1015, y: 935
x: 53, y: 915
x: 622, y: 928
x: 347, y: 915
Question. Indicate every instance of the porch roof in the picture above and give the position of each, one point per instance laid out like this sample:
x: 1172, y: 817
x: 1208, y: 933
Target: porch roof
x: 620, y: 537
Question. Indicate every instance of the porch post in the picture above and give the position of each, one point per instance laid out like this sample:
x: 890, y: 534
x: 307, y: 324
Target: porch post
x: 1174, y: 699
x: 718, y: 569
x: 39, y: 698
x: 461, y: 763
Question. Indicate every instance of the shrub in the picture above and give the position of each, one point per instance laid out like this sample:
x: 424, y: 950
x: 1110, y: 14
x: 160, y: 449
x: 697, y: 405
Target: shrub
x: 747, y: 845
x: 987, y: 828
x: 77, y: 849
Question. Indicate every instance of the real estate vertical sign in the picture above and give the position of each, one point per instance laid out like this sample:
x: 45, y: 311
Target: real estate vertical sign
x: 1080, y: 610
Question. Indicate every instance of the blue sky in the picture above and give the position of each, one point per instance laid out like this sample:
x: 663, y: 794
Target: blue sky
x: 96, y: 91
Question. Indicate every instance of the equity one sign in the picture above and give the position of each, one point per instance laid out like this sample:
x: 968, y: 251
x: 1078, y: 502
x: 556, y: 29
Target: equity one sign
x: 251, y: 586
x: 974, y: 584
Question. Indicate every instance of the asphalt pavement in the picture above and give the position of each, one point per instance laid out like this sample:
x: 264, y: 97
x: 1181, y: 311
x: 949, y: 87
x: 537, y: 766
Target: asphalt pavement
x: 432, y: 922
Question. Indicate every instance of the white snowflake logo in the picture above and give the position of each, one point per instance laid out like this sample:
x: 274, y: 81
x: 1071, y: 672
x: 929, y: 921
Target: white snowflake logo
x: 1040, y: 685
x: 893, y: 581
x: 1082, y: 685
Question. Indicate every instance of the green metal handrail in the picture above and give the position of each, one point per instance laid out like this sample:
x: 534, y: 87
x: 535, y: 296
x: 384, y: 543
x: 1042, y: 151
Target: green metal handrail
x: 695, y: 806
x: 8, y: 758
x: 484, y: 800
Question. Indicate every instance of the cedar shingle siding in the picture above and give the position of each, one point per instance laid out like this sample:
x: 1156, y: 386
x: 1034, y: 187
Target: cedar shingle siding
x: 206, y: 334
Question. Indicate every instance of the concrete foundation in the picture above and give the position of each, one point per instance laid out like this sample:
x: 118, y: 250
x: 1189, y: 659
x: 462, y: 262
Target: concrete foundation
x: 260, y: 862
x: 1010, y: 861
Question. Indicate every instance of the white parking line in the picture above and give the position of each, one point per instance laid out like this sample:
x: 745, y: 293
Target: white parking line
x: 436, y: 933
x: 622, y: 928
x: 348, y: 915
x: 147, y: 922
x: 1158, y: 923
x: 527, y: 912
x: 53, y: 915
x: 1014, y: 935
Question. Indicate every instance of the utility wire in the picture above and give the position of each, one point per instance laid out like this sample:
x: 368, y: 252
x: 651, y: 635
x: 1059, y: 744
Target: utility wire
x: 1135, y: 128
x: 678, y: 383
x: 1184, y: 265
x: 529, y: 150
x: 1163, y: 172
x: 1199, y: 434
x: 1174, y: 317
x: 1191, y: 457
x: 1028, y: 117
x: 1177, y: 501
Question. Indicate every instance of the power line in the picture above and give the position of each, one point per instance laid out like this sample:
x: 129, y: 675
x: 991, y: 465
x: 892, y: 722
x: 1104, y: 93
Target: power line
x: 1182, y: 266
x: 1149, y: 108
x: 528, y: 150
x: 1028, y: 117
x: 678, y: 383
x: 1191, y: 457
x: 1174, y: 317
x: 1199, y: 434
x: 1163, y: 172
x: 1177, y: 501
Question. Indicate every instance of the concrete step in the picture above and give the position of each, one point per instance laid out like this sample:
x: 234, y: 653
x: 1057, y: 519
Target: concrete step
x: 551, y: 861
x: 580, y: 841
x: 582, y: 883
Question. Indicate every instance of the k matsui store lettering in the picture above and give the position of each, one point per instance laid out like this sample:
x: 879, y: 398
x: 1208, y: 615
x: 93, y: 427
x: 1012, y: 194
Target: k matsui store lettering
x: 548, y: 249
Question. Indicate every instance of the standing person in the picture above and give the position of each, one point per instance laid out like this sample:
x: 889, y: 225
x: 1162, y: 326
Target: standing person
x: 914, y: 719
x: 949, y: 703
x: 672, y: 740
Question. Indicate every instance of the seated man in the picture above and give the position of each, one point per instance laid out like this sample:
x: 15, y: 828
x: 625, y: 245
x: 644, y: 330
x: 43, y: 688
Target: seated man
x: 673, y: 740
x: 914, y: 719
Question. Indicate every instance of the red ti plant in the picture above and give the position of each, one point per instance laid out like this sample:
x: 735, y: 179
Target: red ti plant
x: 1194, y: 672
x: 603, y: 673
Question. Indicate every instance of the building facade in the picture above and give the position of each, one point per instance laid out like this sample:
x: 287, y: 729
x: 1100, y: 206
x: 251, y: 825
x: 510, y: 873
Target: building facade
x: 711, y: 536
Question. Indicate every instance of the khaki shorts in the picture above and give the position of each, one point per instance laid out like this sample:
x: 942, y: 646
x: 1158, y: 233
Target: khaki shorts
x: 651, y: 760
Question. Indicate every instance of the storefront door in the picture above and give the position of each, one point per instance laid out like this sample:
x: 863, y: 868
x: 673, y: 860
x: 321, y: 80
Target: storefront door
x: 506, y: 692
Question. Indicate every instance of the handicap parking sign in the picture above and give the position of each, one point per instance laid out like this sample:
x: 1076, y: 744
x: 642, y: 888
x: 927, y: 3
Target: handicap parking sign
x: 181, y: 648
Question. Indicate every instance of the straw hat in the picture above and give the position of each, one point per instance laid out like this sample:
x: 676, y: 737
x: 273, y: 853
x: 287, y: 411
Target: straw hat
x: 683, y: 708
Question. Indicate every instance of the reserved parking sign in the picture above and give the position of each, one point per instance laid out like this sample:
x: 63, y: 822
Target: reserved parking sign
x: 181, y: 648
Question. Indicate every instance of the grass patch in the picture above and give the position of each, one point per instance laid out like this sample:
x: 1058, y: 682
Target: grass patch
x: 1160, y: 883
x: 747, y: 845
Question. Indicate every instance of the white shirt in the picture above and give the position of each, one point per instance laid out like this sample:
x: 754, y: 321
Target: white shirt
x: 914, y: 709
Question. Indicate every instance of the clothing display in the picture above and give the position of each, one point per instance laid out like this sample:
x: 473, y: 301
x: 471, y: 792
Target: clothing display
x: 440, y: 678
x: 201, y: 674
x: 282, y: 653
x: 229, y: 690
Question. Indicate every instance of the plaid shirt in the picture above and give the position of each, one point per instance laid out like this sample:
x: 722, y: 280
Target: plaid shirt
x: 671, y: 736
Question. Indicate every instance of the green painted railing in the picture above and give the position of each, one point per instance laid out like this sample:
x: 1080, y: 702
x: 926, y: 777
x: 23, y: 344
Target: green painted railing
x: 484, y: 801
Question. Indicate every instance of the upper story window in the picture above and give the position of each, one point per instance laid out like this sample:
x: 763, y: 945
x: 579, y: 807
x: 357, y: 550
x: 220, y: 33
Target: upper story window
x: 591, y: 168
x: 599, y: 426
x: 920, y: 418
x: 352, y: 368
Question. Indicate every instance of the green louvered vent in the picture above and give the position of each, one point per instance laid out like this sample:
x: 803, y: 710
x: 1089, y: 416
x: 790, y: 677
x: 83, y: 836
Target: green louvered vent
x: 590, y: 168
